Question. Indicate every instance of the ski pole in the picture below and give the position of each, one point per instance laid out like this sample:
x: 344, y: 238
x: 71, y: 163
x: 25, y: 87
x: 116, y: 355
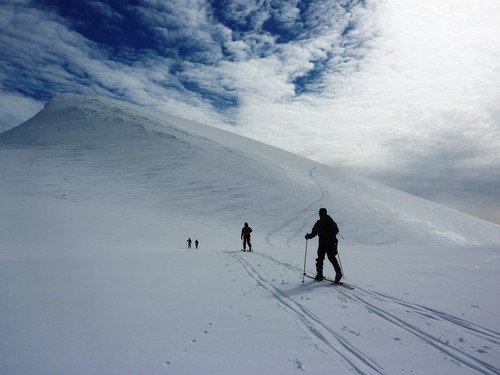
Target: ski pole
x: 340, y: 264
x: 305, y: 258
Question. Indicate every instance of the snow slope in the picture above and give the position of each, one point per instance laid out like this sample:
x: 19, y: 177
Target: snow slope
x: 98, y: 198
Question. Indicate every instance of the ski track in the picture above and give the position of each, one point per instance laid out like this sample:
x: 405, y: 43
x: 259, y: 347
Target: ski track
x: 454, y: 353
x: 330, y: 341
x: 381, y: 305
x: 426, y: 312
x: 324, y: 195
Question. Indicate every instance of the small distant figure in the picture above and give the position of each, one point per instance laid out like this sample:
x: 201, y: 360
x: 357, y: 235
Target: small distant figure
x: 326, y: 229
x: 245, y: 236
x: 189, y: 243
x: 196, y: 243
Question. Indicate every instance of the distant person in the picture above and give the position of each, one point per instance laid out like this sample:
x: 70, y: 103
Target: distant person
x: 326, y: 229
x: 245, y: 236
x: 196, y: 244
x: 189, y: 243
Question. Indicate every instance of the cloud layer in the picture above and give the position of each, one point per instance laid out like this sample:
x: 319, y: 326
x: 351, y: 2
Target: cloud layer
x: 406, y: 92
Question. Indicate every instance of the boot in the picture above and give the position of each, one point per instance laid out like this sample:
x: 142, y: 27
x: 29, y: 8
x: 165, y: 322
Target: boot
x: 319, y: 271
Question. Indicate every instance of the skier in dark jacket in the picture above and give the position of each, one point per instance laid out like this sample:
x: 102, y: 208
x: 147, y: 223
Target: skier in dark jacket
x: 326, y: 229
x: 245, y: 236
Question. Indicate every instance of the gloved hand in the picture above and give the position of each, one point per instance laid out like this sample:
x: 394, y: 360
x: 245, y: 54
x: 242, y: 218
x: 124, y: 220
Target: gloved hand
x: 307, y: 236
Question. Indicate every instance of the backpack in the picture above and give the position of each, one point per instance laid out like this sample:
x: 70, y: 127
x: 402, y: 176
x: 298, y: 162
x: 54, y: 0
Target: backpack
x: 328, y: 228
x: 335, y: 228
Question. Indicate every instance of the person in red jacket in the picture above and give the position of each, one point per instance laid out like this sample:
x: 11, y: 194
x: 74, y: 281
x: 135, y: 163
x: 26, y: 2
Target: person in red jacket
x: 245, y: 236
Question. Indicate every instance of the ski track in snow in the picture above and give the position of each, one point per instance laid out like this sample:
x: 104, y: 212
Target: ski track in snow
x: 425, y: 314
x: 324, y: 195
x: 414, y: 319
x: 327, y: 340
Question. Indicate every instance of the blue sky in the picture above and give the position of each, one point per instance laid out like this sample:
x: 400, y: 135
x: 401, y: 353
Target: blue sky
x: 402, y: 91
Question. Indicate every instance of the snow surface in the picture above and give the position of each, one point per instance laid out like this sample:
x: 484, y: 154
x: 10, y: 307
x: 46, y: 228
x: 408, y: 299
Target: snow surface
x: 98, y: 198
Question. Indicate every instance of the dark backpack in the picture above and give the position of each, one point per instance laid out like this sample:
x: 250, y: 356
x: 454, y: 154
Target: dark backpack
x: 335, y: 228
x: 328, y: 228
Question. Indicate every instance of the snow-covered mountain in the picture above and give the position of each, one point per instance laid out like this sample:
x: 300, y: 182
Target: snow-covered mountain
x: 98, y: 198
x: 204, y: 174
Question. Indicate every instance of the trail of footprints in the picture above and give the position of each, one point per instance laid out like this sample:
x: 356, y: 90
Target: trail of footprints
x: 194, y: 340
x: 204, y: 332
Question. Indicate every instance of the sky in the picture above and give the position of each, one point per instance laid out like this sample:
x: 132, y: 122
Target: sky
x: 405, y: 92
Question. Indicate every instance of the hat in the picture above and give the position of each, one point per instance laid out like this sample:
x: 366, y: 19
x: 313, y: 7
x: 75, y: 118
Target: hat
x: 322, y: 211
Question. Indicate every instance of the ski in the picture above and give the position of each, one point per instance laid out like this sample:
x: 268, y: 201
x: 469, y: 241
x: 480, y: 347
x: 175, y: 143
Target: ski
x: 345, y: 285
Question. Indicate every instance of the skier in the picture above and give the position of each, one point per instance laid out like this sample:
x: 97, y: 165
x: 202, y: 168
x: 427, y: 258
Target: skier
x: 196, y: 243
x: 245, y: 236
x: 189, y: 243
x: 326, y: 229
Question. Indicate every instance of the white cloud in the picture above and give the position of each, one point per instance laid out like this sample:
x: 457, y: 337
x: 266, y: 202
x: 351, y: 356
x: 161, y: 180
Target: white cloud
x: 48, y: 53
x: 15, y: 109
x: 426, y: 64
x: 106, y: 10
